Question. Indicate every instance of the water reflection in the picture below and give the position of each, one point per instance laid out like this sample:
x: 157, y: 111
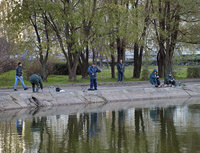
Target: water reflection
x: 19, y: 126
x: 137, y: 130
x: 93, y: 125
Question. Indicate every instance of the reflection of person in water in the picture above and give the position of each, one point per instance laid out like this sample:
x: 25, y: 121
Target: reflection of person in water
x: 37, y: 124
x: 19, y: 126
x: 121, y: 117
x: 168, y: 113
x: 93, y: 125
x: 155, y: 114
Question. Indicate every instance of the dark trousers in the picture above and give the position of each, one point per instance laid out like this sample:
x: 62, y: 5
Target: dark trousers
x: 120, y: 76
x: 157, y: 82
x: 172, y: 83
x: 33, y: 87
x: 93, y: 82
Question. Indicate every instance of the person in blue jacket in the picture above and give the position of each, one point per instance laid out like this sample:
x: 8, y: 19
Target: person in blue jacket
x: 92, y: 70
x: 154, y: 78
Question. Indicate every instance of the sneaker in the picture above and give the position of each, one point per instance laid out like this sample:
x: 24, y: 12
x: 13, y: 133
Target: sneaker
x: 90, y: 89
x: 95, y: 89
x: 15, y: 89
x: 25, y: 88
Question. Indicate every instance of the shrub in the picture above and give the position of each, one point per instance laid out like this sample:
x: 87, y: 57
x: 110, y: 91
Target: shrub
x: 32, y: 67
x: 145, y: 74
x: 60, y: 69
x: 7, y: 65
x: 193, y: 72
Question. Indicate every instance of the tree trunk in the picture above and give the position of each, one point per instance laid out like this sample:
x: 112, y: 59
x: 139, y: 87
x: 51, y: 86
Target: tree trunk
x: 120, y: 49
x: 93, y: 55
x: 100, y: 61
x: 160, y: 62
x: 167, y: 65
x: 84, y: 63
x: 113, y: 66
x: 44, y: 73
x: 72, y: 74
x: 138, y: 52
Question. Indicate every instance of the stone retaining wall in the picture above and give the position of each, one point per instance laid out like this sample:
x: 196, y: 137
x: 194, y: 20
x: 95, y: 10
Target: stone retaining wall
x: 77, y: 95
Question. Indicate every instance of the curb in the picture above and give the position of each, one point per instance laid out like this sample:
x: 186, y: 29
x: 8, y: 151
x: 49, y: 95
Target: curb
x: 104, y: 84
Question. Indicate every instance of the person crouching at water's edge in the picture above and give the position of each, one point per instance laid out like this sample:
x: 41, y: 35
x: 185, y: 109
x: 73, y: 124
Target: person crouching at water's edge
x: 169, y: 80
x: 154, y: 78
x: 36, y: 80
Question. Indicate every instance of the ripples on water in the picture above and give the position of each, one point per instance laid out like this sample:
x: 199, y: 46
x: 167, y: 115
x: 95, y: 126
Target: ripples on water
x: 173, y: 129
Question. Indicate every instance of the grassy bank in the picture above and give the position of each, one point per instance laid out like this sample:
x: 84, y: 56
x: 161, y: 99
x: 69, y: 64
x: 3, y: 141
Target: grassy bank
x: 8, y: 78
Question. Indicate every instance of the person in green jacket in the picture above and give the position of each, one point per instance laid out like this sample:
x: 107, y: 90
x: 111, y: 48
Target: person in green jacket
x: 169, y: 80
x: 36, y: 79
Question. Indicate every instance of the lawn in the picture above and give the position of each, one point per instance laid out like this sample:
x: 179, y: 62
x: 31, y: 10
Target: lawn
x: 8, y: 78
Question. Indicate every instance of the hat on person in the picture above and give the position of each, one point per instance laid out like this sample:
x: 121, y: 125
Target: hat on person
x: 155, y: 70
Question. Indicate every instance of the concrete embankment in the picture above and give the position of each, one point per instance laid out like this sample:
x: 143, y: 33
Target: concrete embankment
x: 105, y: 94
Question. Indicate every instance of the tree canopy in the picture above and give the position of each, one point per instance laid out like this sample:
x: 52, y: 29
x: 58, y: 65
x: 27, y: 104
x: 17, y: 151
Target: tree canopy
x: 81, y: 28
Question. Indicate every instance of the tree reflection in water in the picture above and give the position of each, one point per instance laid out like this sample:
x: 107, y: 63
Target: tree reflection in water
x: 138, y: 130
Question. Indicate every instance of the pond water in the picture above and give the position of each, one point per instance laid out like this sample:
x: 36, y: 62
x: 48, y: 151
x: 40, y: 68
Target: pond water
x: 149, y: 129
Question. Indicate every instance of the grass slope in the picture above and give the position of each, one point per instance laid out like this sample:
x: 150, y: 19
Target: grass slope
x: 8, y: 78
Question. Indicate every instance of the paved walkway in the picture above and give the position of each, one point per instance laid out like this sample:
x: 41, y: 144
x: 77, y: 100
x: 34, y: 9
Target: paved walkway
x: 106, y: 93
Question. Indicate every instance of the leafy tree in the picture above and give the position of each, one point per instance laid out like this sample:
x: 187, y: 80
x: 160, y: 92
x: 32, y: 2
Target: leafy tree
x: 28, y: 20
x: 65, y: 20
x: 89, y: 9
x: 169, y: 16
x: 140, y: 16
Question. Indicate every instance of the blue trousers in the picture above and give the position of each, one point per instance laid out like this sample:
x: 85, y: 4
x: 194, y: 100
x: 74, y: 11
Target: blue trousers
x: 93, y: 82
x: 120, y: 76
x: 21, y: 80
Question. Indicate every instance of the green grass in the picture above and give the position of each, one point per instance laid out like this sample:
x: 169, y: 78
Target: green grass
x: 8, y: 78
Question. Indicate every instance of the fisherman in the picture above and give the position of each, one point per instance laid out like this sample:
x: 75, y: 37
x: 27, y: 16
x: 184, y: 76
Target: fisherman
x: 154, y: 78
x: 121, y: 69
x: 36, y: 80
x: 92, y: 70
x: 169, y: 80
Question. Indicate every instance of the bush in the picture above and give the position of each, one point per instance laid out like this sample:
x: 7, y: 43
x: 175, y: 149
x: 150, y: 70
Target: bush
x: 35, y: 67
x: 7, y: 65
x: 145, y: 74
x: 61, y: 69
x: 31, y: 68
x: 193, y: 72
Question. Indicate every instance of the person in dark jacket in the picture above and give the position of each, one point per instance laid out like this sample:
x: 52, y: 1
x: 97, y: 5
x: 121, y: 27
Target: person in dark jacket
x: 154, y: 78
x: 169, y: 80
x: 121, y: 69
x: 92, y: 70
x: 19, y: 77
x: 36, y: 80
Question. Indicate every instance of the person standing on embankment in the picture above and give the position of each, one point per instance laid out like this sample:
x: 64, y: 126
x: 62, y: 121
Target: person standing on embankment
x: 19, y: 77
x: 121, y: 69
x: 92, y: 70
